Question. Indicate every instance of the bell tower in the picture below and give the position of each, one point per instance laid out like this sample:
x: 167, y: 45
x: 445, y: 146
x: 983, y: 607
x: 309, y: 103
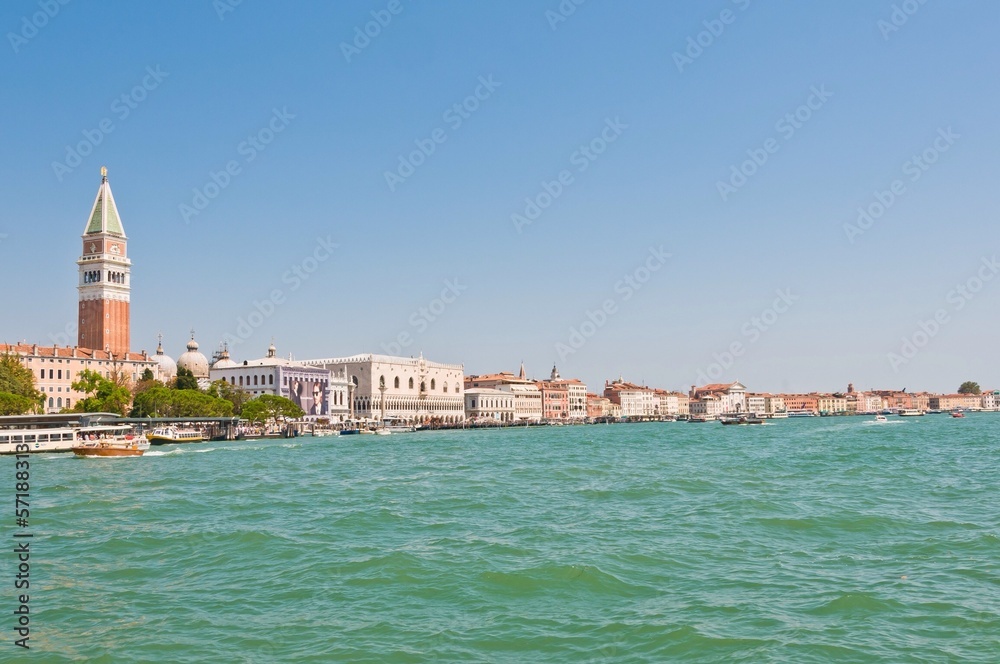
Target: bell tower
x: 105, y: 279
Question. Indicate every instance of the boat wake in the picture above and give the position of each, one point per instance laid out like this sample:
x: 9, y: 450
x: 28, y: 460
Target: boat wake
x: 882, y: 424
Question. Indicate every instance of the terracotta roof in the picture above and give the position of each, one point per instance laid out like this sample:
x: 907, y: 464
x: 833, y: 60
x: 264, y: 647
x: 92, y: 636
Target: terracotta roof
x: 34, y: 350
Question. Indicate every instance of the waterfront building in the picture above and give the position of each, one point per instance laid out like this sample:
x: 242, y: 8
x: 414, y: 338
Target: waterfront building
x: 597, y: 406
x: 527, y: 395
x: 801, y: 402
x: 731, y: 396
x: 756, y: 403
x: 555, y: 400
x: 485, y: 404
x: 896, y: 400
x: 318, y: 391
x: 635, y: 401
x: 990, y: 400
x: 831, y: 403
x: 709, y: 406
x: 576, y: 394
x: 683, y: 403
x: 665, y: 403
x: 406, y: 389
x: 954, y: 401
x: 774, y: 403
x: 56, y: 367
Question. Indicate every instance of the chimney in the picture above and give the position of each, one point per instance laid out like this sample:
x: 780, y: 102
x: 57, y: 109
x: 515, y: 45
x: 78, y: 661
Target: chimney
x: 34, y: 349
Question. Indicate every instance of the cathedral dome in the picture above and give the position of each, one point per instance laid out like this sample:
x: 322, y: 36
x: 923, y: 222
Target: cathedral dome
x: 194, y: 361
x: 168, y: 368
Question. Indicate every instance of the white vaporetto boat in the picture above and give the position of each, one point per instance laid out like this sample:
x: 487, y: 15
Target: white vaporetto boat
x: 34, y: 434
x: 168, y: 435
x: 910, y: 412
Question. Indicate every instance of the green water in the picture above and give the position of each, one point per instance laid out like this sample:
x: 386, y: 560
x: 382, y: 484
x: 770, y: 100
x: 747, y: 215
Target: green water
x: 628, y: 543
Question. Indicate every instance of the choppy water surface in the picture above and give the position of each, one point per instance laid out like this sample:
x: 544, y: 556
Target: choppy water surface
x: 800, y: 541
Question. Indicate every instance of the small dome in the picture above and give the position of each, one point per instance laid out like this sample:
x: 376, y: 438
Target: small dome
x: 194, y: 361
x: 168, y: 368
x: 224, y: 362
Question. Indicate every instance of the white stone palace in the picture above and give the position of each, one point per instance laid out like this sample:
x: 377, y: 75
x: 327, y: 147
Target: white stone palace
x: 410, y: 389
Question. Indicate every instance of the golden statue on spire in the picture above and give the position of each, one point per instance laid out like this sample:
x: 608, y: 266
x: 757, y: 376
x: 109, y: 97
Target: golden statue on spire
x: 104, y: 171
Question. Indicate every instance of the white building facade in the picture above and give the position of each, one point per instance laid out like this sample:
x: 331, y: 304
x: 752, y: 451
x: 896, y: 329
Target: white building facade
x: 407, y: 389
x: 319, y: 392
x: 485, y: 404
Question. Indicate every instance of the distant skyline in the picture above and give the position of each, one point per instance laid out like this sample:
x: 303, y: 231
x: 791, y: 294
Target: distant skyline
x: 794, y: 196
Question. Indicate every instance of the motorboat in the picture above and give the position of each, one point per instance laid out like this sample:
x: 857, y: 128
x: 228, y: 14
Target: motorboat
x: 113, y: 445
x: 881, y: 419
x: 957, y: 413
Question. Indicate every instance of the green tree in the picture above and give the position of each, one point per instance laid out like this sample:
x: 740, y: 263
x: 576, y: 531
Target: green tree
x: 147, y: 375
x: 15, y: 404
x: 969, y: 387
x: 271, y: 407
x: 17, y: 387
x: 231, y: 393
x: 104, y: 395
x: 185, y: 380
x: 154, y: 401
x: 164, y: 402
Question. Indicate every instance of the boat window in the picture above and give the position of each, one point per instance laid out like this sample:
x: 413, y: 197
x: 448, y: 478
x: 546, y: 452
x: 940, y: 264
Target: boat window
x: 67, y: 436
x: 4, y: 439
x: 43, y: 437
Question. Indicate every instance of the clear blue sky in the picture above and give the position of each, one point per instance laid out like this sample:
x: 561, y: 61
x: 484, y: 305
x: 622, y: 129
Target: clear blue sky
x: 554, y: 86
